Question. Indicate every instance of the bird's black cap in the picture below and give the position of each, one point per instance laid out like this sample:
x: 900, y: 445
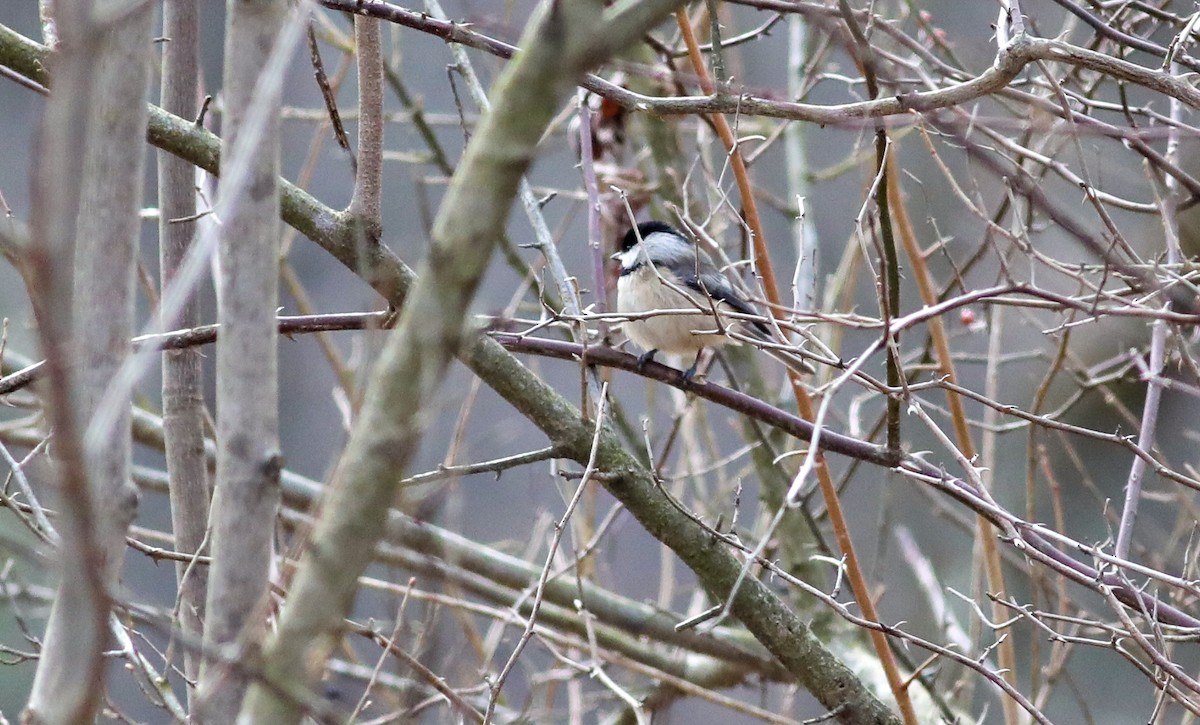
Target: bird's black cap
x: 645, y: 229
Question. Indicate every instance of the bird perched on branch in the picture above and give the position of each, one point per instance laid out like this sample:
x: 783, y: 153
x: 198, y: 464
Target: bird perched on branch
x: 663, y: 270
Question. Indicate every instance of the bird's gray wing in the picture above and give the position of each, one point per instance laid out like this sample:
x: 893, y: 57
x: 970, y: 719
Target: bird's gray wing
x: 714, y: 285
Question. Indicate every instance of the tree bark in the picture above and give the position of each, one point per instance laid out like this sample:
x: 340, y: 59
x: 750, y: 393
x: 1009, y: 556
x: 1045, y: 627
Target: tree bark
x: 68, y: 685
x: 246, y: 496
x: 182, y: 370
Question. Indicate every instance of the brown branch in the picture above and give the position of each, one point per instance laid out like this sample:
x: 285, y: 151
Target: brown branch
x: 207, y: 334
x: 962, y: 433
x: 765, y: 269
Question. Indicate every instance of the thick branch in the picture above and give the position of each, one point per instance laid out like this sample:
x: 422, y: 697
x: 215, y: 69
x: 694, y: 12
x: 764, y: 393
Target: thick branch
x: 246, y: 494
x: 68, y: 683
x: 559, y: 47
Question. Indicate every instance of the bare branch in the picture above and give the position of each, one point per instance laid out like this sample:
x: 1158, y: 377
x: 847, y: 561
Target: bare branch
x: 183, y: 408
x: 246, y: 491
x: 102, y: 73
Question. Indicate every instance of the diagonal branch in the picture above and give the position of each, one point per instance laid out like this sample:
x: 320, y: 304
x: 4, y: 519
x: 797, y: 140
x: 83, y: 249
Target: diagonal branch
x: 559, y: 45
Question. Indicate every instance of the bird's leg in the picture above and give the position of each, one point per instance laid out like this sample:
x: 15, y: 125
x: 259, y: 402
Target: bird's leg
x: 645, y: 358
x: 691, y: 372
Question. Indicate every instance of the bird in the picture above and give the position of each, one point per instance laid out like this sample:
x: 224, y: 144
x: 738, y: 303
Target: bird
x: 661, y: 269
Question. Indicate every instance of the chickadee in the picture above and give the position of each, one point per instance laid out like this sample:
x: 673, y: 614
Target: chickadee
x: 662, y: 270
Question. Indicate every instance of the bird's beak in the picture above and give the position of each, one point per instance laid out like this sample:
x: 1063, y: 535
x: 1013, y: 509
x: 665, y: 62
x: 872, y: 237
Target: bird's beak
x: 615, y: 256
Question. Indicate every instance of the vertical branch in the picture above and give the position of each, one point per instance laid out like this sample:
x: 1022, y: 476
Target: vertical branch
x: 749, y: 204
x: 714, y: 31
x: 66, y: 684
x: 890, y: 297
x: 368, y: 179
x: 105, y: 263
x: 858, y: 581
x: 1158, y: 329
x: 102, y: 216
x: 807, y: 245
x: 182, y: 370
x: 592, y: 190
x: 891, y: 279
x: 985, y: 536
x: 46, y: 16
x: 246, y: 495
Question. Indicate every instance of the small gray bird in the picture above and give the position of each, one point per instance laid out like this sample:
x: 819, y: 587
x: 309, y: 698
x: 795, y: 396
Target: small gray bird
x: 662, y: 270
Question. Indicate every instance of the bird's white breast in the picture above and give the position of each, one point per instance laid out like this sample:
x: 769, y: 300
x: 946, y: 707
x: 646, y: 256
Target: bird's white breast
x: 644, y: 291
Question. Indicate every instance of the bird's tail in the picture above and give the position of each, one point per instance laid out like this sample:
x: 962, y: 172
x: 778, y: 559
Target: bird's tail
x: 790, y: 359
x: 759, y: 331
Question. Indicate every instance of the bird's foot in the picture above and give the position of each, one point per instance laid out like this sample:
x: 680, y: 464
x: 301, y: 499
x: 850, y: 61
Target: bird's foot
x: 691, y: 372
x: 643, y: 359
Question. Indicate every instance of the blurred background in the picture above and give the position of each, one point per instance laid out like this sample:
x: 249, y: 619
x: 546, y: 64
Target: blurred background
x: 1077, y: 479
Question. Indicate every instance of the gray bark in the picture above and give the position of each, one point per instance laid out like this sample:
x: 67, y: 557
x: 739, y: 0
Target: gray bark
x: 246, y: 496
x: 183, y: 399
x: 368, y: 179
x: 69, y: 679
